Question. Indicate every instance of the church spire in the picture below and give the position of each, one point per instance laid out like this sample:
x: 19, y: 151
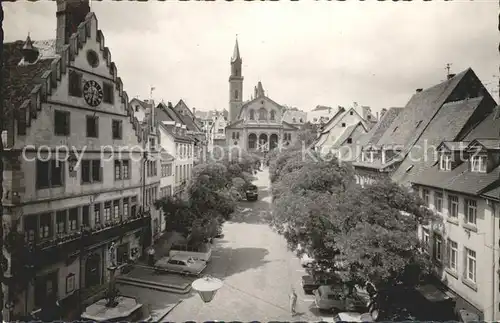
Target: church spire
x: 236, y: 52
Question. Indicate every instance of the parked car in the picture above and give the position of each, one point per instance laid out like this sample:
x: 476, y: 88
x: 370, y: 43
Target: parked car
x: 181, y: 264
x: 252, y: 193
x: 341, y: 297
x: 200, y: 252
x: 311, y: 283
x: 354, y: 317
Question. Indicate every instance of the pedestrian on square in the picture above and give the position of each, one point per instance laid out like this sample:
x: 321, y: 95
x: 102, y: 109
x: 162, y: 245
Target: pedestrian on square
x: 151, y: 256
x: 293, y: 302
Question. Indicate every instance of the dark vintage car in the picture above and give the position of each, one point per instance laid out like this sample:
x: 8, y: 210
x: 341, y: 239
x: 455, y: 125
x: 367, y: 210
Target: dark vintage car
x: 311, y: 283
x: 252, y: 193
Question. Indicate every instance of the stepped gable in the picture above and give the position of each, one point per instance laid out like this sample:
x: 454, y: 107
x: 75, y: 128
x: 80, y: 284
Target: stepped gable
x: 27, y: 85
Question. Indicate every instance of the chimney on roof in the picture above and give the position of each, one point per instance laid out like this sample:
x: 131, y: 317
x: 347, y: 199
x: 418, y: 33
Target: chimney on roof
x: 419, y: 90
x: 70, y: 13
x: 169, y: 104
x: 450, y: 76
x: 194, y: 111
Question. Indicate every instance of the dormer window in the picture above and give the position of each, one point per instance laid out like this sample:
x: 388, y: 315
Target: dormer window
x: 478, y: 164
x: 252, y: 115
x: 445, y: 162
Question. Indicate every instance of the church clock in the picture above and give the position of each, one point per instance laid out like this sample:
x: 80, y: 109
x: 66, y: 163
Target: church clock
x: 92, y: 93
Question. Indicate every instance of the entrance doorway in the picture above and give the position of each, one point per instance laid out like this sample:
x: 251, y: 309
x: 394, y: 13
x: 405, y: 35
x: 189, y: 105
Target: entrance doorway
x: 93, y: 271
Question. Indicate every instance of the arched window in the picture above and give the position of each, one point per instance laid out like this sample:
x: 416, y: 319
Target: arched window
x: 301, y: 121
x: 294, y: 120
x: 273, y: 115
x: 262, y: 114
x: 235, y: 94
x: 252, y: 141
x: 252, y: 115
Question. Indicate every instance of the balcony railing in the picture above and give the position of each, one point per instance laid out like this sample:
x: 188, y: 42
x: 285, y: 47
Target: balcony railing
x: 49, y: 252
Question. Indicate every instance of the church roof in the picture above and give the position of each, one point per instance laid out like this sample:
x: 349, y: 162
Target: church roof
x: 236, y: 52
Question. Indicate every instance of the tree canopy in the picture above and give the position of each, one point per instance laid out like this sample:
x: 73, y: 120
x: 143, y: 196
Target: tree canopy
x: 363, y: 235
x: 210, y: 197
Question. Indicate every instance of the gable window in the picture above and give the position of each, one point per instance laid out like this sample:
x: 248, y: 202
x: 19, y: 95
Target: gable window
x: 343, y: 124
x: 61, y: 123
x: 92, y: 127
x: 471, y: 212
x: 445, y: 162
x: 452, y: 255
x: 273, y: 115
x: 438, y: 202
x: 478, y: 164
x: 351, y: 113
x: 221, y: 130
x: 116, y: 210
x: 252, y: 115
x: 75, y: 84
x: 453, y: 206
x: 91, y: 171
x: 118, y: 170
x: 470, y: 265
x: 49, y: 173
x: 438, y: 245
x: 86, y: 216
x: 349, y: 140
x: 46, y: 226
x: 426, y: 196
x: 107, y: 212
x: 73, y: 219
x: 126, y: 173
x: 107, y: 93
x: 262, y: 114
x: 116, y: 128
x: 125, y: 208
x: 426, y: 240
x: 61, y: 222
x: 97, y: 213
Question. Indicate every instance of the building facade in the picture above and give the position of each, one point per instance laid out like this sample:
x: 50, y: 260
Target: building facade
x: 217, y: 133
x: 256, y: 125
x: 63, y: 205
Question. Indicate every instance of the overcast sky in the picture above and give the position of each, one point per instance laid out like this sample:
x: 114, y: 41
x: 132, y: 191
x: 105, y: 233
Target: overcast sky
x: 305, y: 53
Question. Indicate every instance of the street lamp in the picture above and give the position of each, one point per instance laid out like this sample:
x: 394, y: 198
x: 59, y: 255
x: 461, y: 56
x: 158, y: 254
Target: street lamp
x: 207, y: 287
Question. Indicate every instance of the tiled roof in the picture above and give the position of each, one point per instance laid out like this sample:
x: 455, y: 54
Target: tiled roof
x: 334, y: 118
x: 447, y: 124
x: 376, y: 132
x: 418, y: 112
x: 165, y: 113
x: 489, y: 144
x: 455, y: 145
x: 171, y: 129
x: 460, y: 179
x: 20, y: 79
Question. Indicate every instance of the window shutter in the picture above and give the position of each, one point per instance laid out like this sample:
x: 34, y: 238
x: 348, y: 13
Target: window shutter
x: 100, y: 174
x: 464, y: 261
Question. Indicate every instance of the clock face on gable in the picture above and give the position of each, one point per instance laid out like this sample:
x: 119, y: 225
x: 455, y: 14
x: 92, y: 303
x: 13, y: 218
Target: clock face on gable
x: 92, y: 93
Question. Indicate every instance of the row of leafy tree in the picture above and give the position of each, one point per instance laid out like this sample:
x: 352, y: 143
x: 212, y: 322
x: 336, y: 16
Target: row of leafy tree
x: 358, y: 234
x: 210, y: 196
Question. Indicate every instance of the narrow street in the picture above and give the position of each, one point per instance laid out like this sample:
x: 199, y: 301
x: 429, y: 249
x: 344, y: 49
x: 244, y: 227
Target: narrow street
x: 256, y: 267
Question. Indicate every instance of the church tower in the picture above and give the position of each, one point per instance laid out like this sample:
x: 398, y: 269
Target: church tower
x: 235, y: 84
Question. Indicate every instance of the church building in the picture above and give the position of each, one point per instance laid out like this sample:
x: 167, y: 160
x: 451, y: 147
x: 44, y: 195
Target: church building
x: 255, y: 125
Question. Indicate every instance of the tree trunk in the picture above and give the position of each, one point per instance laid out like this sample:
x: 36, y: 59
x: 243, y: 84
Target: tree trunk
x: 1, y: 158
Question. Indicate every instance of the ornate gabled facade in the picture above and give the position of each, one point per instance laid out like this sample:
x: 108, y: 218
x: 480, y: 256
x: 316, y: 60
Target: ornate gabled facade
x: 67, y: 193
x: 255, y: 125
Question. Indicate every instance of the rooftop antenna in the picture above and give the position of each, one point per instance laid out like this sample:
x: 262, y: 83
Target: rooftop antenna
x: 447, y: 68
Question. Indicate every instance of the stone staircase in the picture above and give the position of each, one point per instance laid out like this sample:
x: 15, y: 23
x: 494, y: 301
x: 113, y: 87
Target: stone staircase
x: 182, y: 288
